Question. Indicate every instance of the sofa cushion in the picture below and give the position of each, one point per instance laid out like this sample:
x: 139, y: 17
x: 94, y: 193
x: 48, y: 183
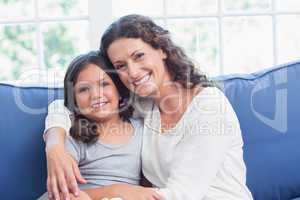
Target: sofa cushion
x: 22, y: 115
x: 267, y: 106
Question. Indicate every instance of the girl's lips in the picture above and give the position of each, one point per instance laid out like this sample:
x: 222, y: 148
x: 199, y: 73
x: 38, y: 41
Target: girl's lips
x: 98, y: 105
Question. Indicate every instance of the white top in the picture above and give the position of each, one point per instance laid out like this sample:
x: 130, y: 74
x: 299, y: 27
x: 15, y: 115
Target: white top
x: 201, y: 158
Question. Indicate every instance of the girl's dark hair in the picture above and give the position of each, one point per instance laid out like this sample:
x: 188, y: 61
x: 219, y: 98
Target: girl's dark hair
x: 83, y: 128
x: 181, y: 68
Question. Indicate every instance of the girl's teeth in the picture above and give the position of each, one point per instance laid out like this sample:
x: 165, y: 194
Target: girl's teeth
x: 98, y: 105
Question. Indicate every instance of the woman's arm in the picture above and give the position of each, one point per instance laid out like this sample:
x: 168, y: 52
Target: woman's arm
x: 62, y: 170
x: 123, y: 191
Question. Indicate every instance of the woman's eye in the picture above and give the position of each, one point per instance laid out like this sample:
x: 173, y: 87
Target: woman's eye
x: 118, y: 67
x: 139, y: 55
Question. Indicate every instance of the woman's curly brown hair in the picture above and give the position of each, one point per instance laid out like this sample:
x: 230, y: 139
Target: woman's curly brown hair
x: 181, y: 68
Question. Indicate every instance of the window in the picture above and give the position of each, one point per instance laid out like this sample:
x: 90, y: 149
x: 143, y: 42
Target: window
x: 227, y: 36
x: 39, y: 38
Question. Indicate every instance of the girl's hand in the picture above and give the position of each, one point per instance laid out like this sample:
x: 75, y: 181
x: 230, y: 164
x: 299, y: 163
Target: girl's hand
x: 132, y: 192
x: 62, y: 173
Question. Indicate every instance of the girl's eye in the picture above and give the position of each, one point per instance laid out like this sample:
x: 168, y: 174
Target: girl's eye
x: 83, y: 89
x: 104, y: 83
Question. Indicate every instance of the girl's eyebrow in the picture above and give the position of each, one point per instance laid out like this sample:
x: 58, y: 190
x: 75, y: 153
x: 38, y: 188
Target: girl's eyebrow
x: 101, y: 80
x: 83, y: 83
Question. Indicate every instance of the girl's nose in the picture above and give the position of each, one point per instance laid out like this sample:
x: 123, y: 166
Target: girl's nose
x: 96, y: 92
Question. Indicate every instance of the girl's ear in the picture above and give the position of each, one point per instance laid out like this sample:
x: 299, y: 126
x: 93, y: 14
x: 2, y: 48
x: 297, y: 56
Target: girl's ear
x: 121, y: 102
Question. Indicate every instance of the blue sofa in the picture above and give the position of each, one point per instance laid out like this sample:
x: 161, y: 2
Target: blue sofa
x: 267, y: 105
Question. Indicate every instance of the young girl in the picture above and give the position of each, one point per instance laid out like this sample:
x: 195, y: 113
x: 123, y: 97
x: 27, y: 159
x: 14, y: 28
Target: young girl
x: 104, y: 140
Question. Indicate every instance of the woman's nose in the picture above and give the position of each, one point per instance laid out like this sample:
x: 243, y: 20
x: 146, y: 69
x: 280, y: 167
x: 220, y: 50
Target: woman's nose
x: 133, y: 70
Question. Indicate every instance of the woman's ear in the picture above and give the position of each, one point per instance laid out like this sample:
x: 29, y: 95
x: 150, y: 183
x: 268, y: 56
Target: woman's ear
x: 163, y: 54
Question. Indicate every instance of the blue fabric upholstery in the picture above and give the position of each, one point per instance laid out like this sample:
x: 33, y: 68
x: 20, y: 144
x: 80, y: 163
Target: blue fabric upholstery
x: 266, y: 104
x: 22, y: 160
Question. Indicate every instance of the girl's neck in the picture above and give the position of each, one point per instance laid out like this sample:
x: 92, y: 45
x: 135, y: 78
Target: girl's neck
x: 109, y: 125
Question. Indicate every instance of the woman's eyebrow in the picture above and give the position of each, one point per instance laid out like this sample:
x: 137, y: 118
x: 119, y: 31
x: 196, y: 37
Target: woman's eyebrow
x: 132, y: 54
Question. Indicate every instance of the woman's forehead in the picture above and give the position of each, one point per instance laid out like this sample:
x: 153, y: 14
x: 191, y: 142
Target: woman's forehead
x: 125, y: 47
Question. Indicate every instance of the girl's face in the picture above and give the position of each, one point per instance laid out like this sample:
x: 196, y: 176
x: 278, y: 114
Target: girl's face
x: 96, y: 95
x: 140, y: 67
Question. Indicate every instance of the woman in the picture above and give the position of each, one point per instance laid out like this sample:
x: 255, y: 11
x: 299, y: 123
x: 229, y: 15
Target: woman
x: 192, y: 144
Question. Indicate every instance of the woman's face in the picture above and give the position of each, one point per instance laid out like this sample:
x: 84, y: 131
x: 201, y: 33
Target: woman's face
x: 95, y: 93
x: 140, y: 67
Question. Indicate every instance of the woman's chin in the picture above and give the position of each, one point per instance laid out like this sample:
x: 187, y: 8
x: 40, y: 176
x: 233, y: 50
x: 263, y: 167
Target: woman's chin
x: 146, y: 91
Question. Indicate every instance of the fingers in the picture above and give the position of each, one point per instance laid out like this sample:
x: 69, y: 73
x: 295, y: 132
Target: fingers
x: 63, y: 186
x: 156, y: 196
x: 54, y: 189
x: 49, y: 190
x: 72, y: 183
x: 78, y: 174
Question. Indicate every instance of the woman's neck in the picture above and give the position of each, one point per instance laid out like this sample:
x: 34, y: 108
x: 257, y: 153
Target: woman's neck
x: 174, y: 98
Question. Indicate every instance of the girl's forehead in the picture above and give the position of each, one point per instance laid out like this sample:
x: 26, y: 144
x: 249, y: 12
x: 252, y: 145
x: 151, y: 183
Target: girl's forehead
x: 91, y: 73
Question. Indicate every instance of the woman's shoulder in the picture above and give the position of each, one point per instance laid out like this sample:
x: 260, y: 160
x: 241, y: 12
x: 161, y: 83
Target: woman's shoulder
x: 207, y: 98
x: 57, y: 106
x: 211, y: 102
x: 209, y: 93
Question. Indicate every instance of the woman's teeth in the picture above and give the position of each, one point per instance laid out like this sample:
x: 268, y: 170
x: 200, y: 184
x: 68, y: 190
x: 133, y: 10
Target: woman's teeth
x: 142, y: 80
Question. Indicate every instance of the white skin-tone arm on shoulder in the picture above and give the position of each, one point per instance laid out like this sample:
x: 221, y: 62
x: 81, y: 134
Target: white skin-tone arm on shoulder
x: 123, y: 191
x: 62, y: 170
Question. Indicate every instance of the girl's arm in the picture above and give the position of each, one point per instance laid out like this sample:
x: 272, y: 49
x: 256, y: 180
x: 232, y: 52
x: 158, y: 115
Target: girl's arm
x: 62, y: 170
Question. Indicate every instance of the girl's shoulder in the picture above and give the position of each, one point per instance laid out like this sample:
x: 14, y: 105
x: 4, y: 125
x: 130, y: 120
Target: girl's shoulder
x: 137, y: 123
x: 142, y: 106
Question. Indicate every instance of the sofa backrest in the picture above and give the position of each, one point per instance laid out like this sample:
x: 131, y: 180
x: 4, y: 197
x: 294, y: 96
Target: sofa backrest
x: 22, y: 152
x: 266, y: 104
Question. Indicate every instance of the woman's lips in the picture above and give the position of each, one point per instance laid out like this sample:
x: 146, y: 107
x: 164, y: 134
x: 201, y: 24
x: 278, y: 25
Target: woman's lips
x: 142, y: 80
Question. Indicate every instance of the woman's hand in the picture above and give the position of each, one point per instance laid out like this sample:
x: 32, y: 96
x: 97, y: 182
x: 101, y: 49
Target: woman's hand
x: 132, y: 192
x: 62, y: 168
x: 62, y: 173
